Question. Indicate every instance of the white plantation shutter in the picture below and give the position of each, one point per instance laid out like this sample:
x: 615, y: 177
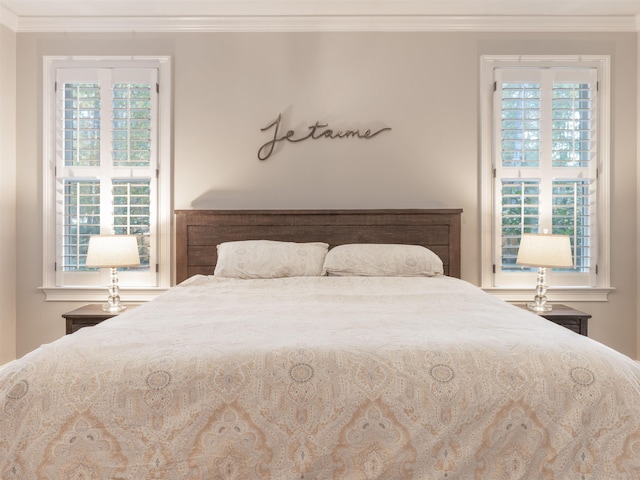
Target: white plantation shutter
x: 520, y: 215
x: 545, y: 167
x: 106, y: 163
x: 572, y: 215
x: 80, y: 219
x: 132, y: 213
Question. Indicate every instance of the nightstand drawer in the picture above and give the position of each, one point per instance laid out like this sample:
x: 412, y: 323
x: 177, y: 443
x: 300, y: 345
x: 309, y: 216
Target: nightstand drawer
x: 86, y: 316
x: 567, y: 317
x: 75, y: 324
x: 575, y: 324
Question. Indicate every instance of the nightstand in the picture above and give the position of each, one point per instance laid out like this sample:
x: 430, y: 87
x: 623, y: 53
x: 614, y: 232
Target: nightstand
x: 87, y: 316
x: 568, y: 317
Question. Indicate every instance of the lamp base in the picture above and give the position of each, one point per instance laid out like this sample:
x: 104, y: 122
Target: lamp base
x: 545, y: 307
x: 539, y: 304
x: 111, y: 308
x: 113, y: 304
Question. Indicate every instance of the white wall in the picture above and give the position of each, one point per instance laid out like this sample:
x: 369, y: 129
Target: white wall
x: 227, y: 86
x: 7, y: 195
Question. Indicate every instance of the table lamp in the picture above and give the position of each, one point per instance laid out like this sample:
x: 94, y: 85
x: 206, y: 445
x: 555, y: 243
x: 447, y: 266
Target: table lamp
x: 543, y: 251
x: 113, y: 251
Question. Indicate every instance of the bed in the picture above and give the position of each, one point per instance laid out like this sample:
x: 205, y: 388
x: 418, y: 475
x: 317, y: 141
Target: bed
x: 381, y: 374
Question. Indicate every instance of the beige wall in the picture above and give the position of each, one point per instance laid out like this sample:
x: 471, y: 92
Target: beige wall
x: 423, y: 85
x: 638, y: 201
x: 7, y: 195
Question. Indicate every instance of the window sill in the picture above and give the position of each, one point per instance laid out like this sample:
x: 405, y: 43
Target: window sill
x: 575, y: 294
x: 99, y: 294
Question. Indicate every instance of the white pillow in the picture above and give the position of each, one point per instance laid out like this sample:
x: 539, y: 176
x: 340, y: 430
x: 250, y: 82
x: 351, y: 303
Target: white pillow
x: 270, y: 259
x: 382, y: 260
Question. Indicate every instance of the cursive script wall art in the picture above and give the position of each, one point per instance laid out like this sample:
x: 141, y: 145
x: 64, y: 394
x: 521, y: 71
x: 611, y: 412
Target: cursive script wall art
x: 316, y: 131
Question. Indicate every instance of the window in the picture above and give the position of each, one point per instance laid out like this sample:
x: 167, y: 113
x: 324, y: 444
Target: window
x: 106, y: 167
x: 545, y: 165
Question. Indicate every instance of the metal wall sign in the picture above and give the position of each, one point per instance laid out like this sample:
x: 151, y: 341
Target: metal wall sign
x: 316, y: 131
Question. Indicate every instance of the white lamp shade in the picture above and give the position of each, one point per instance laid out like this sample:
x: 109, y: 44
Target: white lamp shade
x: 113, y: 251
x: 542, y: 250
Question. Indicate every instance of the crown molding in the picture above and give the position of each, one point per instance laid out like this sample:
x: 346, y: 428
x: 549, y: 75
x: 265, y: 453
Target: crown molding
x: 322, y: 23
x: 8, y: 19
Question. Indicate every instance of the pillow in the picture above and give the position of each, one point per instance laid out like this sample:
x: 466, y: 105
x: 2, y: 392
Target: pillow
x: 270, y: 259
x: 382, y: 260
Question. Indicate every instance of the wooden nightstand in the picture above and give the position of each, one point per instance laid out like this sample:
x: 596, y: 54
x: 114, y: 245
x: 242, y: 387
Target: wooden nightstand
x: 568, y: 317
x: 86, y: 316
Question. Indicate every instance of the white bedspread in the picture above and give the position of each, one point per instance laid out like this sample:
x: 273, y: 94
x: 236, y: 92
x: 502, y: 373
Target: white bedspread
x: 322, y: 377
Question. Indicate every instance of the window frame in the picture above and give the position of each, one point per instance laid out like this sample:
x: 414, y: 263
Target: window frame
x: 520, y: 286
x: 163, y: 216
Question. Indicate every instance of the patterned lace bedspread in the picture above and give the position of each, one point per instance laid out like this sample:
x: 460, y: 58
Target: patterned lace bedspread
x: 322, y: 378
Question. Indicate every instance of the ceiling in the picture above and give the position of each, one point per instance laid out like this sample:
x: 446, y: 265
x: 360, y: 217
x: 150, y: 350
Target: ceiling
x: 69, y: 15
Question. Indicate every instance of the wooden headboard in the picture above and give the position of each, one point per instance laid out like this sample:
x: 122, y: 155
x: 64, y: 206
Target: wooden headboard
x: 199, y: 231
